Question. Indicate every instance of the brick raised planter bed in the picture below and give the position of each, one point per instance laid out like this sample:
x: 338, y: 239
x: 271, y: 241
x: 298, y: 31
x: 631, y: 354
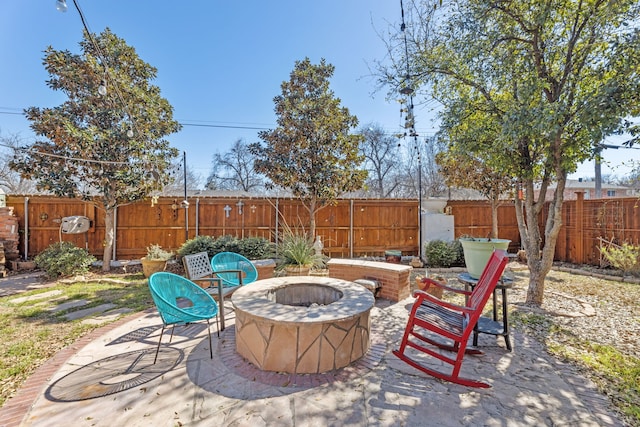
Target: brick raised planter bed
x: 394, y: 278
x: 265, y: 268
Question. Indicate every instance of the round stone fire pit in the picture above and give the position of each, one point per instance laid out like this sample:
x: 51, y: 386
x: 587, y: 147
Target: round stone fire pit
x: 302, y: 324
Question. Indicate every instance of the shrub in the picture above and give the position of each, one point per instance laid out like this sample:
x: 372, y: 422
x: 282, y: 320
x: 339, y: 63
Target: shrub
x: 625, y: 257
x: 249, y: 247
x: 297, y: 250
x: 457, y: 248
x: 255, y: 248
x: 155, y: 252
x: 64, y: 259
x: 439, y: 253
x: 226, y: 244
x: 198, y: 244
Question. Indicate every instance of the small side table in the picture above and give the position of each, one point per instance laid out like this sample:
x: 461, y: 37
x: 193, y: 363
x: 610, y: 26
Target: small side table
x: 486, y: 325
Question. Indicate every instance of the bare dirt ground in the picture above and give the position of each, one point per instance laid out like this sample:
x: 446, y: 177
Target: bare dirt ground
x: 590, y: 308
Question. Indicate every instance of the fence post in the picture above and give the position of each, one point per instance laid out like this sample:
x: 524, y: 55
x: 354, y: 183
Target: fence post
x: 578, y: 237
x: 26, y: 229
x: 114, y: 248
x: 350, y: 228
x: 197, y: 217
x: 276, y: 238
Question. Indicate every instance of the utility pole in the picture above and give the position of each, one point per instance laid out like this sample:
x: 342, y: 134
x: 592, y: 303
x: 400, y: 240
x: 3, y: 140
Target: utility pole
x: 598, y: 167
x: 598, y: 173
x: 185, y: 203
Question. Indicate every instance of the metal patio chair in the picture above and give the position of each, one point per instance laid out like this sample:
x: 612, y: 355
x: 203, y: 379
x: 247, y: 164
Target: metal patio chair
x: 180, y: 301
x: 218, y: 280
x: 234, y: 269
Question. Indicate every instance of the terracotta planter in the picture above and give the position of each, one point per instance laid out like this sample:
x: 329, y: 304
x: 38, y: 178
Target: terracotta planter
x: 150, y: 266
x: 26, y: 265
x: 477, y: 252
x: 297, y: 270
x: 319, y: 273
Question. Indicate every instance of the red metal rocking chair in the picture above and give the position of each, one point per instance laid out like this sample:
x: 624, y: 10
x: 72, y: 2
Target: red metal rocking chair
x: 452, y: 322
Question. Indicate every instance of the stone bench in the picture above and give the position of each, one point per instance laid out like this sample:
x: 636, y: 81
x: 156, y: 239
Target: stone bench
x: 394, y: 278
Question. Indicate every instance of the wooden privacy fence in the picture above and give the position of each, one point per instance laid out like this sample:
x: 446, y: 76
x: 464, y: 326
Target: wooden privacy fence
x: 473, y: 218
x: 584, y: 222
x: 353, y: 227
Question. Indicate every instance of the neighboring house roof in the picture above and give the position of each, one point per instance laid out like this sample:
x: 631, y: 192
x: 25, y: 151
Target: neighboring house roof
x: 588, y: 185
x: 208, y: 193
x: 465, y: 194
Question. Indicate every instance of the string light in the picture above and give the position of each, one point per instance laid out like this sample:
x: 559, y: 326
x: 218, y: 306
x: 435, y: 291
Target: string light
x: 410, y: 124
x: 58, y: 156
x: 102, y: 89
x: 61, y: 5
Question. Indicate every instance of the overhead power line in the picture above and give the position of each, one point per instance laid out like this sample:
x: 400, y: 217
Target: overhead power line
x: 236, y: 125
x: 205, y: 125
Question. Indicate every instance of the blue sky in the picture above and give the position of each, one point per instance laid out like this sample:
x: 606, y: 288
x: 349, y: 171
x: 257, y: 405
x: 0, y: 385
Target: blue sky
x: 219, y: 63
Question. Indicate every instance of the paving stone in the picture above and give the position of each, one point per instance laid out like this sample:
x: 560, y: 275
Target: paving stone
x: 36, y: 297
x: 106, y: 317
x: 69, y: 304
x: 88, y: 311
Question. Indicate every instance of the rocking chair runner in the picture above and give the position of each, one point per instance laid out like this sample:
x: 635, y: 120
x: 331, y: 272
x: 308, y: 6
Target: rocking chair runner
x: 451, y: 322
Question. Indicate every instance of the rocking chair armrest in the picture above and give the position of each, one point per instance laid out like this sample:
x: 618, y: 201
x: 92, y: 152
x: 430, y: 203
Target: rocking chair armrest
x: 445, y: 287
x: 422, y: 295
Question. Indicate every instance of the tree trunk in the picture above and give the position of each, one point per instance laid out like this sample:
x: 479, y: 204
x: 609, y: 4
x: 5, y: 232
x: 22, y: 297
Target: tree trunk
x: 527, y: 214
x: 312, y: 218
x: 109, y: 222
x: 494, y: 218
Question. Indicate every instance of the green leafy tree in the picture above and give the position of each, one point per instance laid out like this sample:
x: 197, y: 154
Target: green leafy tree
x: 312, y: 152
x: 108, y: 149
x: 554, y: 76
